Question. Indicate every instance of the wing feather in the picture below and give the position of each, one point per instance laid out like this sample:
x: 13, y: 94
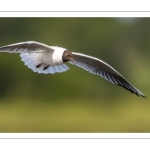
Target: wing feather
x: 26, y: 47
x: 99, y: 67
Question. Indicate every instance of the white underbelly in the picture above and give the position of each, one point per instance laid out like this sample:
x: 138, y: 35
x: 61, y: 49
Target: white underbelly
x: 49, y: 58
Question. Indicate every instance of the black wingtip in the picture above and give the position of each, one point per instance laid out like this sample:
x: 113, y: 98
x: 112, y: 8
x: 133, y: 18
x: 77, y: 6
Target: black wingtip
x: 144, y: 96
x: 140, y: 95
x: 136, y: 93
x: 126, y: 85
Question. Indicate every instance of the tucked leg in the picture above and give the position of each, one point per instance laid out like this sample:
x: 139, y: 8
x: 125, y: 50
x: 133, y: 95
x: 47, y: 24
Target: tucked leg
x: 39, y: 65
x: 45, y: 67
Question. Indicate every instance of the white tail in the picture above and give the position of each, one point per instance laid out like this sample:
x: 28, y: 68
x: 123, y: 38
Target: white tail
x: 32, y: 62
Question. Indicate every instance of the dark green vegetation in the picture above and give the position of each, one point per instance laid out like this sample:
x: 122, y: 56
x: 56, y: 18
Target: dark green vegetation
x: 76, y: 101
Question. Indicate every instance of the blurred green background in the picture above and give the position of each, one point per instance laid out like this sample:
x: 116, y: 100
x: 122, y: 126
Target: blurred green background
x: 76, y: 101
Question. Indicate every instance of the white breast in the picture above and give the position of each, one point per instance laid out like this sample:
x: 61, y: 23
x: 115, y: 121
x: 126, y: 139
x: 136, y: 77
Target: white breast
x: 52, y: 57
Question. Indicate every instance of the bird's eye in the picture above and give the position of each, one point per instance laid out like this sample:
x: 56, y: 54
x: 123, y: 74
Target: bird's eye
x: 67, y: 55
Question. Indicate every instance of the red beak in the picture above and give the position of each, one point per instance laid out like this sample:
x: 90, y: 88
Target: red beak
x: 73, y: 61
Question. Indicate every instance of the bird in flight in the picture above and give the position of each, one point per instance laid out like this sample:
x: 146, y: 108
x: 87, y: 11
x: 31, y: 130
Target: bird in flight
x: 46, y: 59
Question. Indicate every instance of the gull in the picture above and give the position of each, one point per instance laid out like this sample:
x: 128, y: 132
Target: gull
x: 46, y: 59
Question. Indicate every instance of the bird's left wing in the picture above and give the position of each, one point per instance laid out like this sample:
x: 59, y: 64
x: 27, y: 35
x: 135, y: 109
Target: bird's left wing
x: 99, y: 67
x: 26, y: 47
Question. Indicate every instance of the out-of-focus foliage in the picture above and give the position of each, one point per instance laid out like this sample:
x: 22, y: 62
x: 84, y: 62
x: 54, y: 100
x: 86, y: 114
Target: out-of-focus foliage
x: 76, y: 101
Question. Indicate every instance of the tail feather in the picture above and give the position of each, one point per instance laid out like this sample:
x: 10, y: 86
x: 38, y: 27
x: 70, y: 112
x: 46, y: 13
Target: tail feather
x: 31, y: 61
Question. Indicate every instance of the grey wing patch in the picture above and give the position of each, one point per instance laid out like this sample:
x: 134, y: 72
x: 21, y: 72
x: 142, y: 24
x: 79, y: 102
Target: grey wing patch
x: 99, y: 67
x: 25, y: 47
x: 95, y: 66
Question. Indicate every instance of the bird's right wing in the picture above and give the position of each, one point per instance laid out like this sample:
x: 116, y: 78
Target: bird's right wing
x: 26, y: 47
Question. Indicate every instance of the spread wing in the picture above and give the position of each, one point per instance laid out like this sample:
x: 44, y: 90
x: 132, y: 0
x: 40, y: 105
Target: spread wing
x: 99, y: 67
x: 26, y: 47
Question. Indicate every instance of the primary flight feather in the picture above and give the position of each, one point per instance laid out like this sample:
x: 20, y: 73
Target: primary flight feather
x: 46, y: 59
